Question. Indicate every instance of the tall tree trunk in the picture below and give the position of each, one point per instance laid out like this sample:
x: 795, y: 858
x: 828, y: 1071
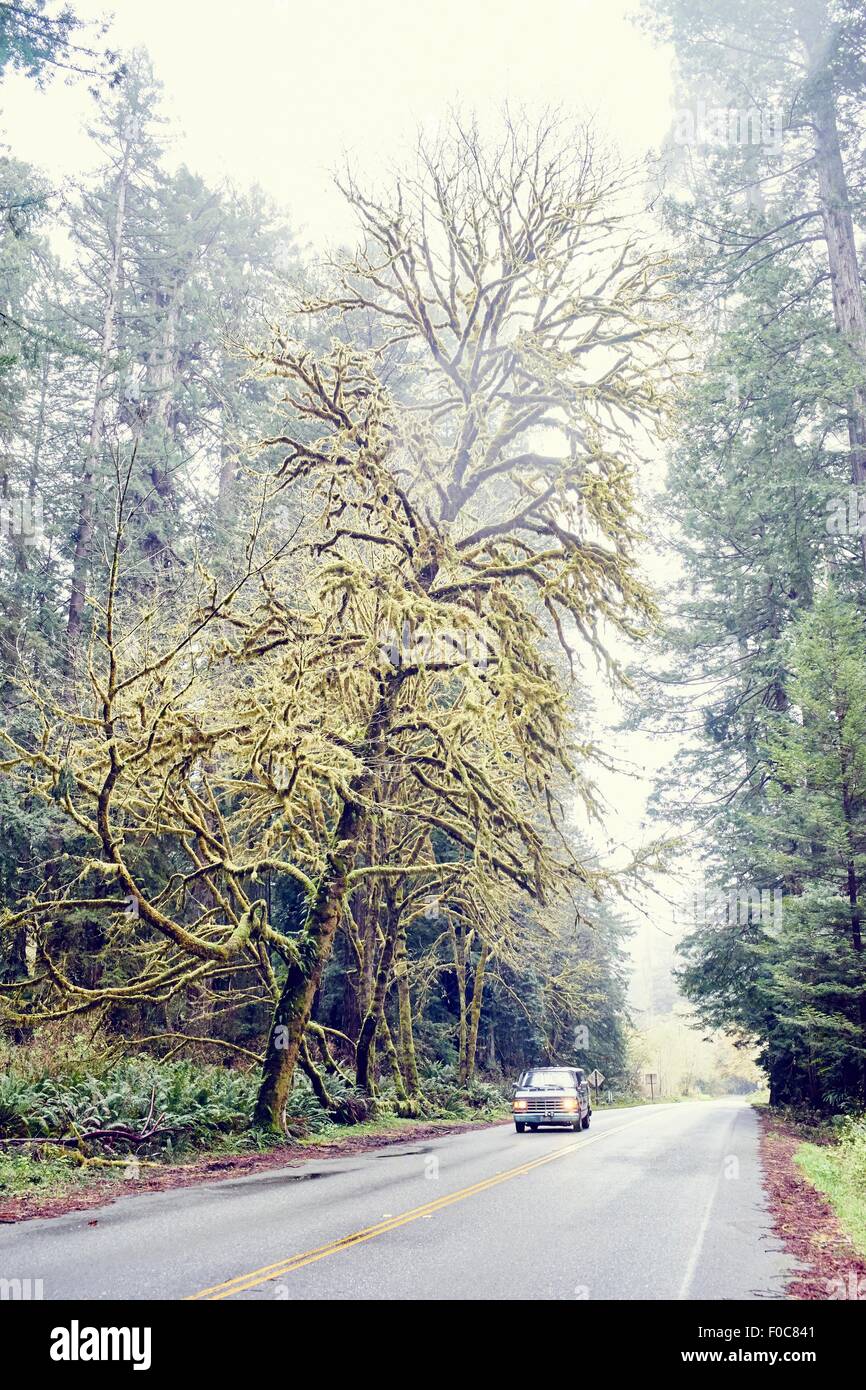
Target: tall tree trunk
x: 294, y: 1006
x: 847, y: 287
x: 407, y: 1106
x: 156, y: 421
x: 229, y: 460
x: 84, y: 534
x: 475, y: 1012
x: 376, y: 1007
x: 304, y: 973
x: 34, y: 490
x: 460, y: 950
x: 404, y: 1004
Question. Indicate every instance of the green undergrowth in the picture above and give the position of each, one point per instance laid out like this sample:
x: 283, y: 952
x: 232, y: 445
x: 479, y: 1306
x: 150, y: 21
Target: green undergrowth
x: 176, y: 1112
x: 838, y: 1170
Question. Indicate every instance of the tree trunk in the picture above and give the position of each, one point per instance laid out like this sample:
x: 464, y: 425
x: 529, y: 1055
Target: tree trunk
x: 459, y: 950
x: 84, y: 534
x: 332, y: 1067
x: 294, y: 1006
x: 303, y: 977
x: 376, y: 1008
x: 407, y: 1106
x: 856, y: 921
x: 304, y: 973
x: 229, y: 460
x: 156, y: 422
x: 314, y: 1076
x: 367, y: 918
x: 847, y: 288
x: 475, y: 1011
x: 404, y: 1004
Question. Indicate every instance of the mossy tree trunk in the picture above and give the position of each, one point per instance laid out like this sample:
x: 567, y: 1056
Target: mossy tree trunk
x: 294, y: 1005
x: 407, y: 1105
x: 304, y: 973
x: 404, y: 1004
x: 376, y: 1008
x: 460, y: 950
x: 468, y: 1069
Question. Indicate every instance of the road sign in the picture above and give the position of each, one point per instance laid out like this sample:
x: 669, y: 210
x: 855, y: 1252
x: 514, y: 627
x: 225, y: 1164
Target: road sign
x: 595, y: 1078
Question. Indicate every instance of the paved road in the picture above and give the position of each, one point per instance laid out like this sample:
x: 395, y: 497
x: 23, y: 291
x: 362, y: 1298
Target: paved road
x: 654, y: 1202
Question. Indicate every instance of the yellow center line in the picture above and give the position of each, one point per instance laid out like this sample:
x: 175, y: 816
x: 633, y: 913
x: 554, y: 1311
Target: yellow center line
x: 307, y: 1257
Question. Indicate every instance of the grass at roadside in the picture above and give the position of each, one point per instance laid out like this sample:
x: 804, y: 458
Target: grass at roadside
x: 21, y: 1173
x: 838, y: 1170
x: 798, y: 1157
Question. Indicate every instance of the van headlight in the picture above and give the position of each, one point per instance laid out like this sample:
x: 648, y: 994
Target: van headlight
x: 519, y: 1105
x: 569, y: 1103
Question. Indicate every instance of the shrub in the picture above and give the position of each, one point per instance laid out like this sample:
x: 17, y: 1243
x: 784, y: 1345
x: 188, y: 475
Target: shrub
x: 445, y: 1097
x: 193, y: 1104
x: 851, y: 1153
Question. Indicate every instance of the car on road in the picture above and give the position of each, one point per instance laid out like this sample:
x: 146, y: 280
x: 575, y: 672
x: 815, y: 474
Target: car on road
x: 551, y: 1096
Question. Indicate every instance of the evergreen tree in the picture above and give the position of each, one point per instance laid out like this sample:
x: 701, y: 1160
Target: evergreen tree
x: 799, y: 983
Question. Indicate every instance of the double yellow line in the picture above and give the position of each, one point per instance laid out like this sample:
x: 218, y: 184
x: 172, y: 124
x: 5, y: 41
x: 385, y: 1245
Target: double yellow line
x: 391, y: 1223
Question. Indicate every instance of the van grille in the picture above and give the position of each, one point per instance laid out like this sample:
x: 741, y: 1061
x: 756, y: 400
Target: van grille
x: 546, y: 1105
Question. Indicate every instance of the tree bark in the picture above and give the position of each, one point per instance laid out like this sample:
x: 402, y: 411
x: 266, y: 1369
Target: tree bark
x: 460, y: 950
x: 304, y: 973
x: 311, y: 1071
x: 407, y: 1106
x: 856, y: 921
x: 376, y: 1006
x: 475, y: 1012
x: 84, y: 534
x: 404, y: 1004
x: 849, y: 310
x: 156, y: 421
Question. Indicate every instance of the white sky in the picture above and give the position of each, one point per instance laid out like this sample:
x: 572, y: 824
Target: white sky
x: 276, y: 91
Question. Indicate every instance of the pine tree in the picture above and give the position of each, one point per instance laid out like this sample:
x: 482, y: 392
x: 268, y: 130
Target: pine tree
x: 103, y: 230
x: 814, y: 836
x: 797, y: 982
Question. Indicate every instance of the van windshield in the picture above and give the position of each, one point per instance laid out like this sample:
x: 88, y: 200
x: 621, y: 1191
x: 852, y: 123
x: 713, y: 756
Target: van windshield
x: 549, y: 1081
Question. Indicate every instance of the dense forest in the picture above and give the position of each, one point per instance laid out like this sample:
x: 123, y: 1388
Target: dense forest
x: 311, y: 565
x: 764, y: 649
x: 291, y: 581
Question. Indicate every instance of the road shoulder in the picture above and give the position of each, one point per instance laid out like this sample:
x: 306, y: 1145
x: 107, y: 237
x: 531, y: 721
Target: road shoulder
x: 207, y: 1168
x: 830, y: 1266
